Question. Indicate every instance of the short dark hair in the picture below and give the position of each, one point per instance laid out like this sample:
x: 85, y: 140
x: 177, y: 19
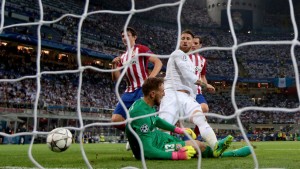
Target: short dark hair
x: 131, y: 30
x: 198, y: 37
x: 150, y: 84
x: 187, y: 31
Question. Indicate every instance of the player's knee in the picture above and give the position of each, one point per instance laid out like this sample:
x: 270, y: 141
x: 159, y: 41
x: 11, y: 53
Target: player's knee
x: 204, y: 107
x: 117, y: 118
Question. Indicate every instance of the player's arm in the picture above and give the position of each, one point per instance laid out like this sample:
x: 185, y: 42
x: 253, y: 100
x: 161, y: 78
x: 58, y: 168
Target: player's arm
x: 205, y: 85
x: 115, y: 64
x: 162, y: 124
x: 203, y: 79
x: 208, y: 87
x: 157, y: 66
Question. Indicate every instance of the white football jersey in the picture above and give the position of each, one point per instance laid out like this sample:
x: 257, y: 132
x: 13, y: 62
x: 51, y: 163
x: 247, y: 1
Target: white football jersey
x: 180, y: 74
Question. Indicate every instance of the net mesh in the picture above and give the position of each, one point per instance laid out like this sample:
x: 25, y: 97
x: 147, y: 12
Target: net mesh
x: 130, y: 13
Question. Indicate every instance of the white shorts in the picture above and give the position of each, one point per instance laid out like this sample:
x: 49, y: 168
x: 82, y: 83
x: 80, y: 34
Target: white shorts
x: 177, y: 104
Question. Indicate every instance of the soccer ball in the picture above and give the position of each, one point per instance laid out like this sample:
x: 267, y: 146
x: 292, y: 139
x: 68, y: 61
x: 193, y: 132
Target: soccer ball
x: 59, y: 139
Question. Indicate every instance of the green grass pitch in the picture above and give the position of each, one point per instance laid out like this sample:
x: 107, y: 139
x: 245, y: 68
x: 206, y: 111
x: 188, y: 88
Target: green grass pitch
x: 284, y: 154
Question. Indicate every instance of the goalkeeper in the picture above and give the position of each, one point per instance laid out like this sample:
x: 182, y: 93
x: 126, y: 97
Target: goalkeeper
x: 157, y: 144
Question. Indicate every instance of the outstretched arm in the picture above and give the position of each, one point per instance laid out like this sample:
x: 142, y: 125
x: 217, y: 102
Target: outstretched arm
x: 162, y: 124
x: 157, y: 66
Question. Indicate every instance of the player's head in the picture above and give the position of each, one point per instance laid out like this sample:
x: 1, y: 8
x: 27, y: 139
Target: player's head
x: 186, y: 40
x: 197, y: 43
x: 132, y: 36
x: 153, y: 90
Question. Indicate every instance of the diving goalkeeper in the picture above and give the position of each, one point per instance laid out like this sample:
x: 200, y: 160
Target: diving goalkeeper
x: 157, y: 144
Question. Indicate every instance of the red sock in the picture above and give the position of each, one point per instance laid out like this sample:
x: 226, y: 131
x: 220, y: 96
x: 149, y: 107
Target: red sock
x: 196, y: 131
x: 120, y: 127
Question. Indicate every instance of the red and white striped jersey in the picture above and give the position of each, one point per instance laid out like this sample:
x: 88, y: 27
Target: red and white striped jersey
x: 137, y: 71
x: 200, y: 67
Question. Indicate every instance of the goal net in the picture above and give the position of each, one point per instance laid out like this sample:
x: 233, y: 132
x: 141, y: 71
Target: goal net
x: 81, y: 83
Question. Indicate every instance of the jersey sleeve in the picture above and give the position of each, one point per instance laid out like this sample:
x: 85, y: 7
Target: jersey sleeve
x: 162, y: 124
x: 145, y: 49
x: 185, y: 65
x: 203, y: 71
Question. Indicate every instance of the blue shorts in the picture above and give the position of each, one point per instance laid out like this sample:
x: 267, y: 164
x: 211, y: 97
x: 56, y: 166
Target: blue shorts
x: 128, y: 98
x: 200, y: 99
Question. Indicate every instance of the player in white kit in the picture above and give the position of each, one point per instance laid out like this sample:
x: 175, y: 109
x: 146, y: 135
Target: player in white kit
x: 180, y: 91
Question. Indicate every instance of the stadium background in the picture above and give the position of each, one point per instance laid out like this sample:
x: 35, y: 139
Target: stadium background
x: 261, y: 67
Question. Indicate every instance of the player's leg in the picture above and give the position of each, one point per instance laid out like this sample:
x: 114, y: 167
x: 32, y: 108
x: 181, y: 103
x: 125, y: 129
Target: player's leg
x: 202, y: 101
x: 241, y: 152
x: 195, y: 144
x: 119, y: 118
x: 168, y: 107
x: 222, y: 145
x: 132, y: 144
x: 204, y: 106
x: 119, y: 113
x: 206, y: 151
x: 198, y: 118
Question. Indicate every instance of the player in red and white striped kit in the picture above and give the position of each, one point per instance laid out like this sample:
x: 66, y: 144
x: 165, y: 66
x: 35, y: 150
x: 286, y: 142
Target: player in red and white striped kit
x: 200, y: 70
x: 136, y: 73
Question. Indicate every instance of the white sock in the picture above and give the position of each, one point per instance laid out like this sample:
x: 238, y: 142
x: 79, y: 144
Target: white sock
x: 206, y: 131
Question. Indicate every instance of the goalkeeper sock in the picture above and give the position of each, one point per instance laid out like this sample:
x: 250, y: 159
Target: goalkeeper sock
x: 207, y: 153
x: 241, y: 152
x: 206, y: 131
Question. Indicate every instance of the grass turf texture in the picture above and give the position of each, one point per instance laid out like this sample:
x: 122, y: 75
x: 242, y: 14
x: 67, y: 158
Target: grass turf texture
x: 270, y: 155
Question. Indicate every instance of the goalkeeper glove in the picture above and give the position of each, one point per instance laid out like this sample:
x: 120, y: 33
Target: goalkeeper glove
x: 184, y: 153
x: 188, y: 130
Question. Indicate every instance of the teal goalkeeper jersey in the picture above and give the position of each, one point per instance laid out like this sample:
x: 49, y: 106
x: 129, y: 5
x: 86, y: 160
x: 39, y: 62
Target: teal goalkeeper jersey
x: 156, y: 144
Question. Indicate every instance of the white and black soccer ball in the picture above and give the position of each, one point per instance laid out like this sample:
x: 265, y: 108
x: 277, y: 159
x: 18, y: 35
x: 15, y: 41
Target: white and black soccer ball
x: 59, y: 139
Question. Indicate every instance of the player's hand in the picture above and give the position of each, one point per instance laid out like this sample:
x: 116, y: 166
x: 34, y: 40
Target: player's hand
x: 191, y: 133
x: 116, y: 60
x: 198, y: 82
x: 188, y: 130
x: 185, y: 153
